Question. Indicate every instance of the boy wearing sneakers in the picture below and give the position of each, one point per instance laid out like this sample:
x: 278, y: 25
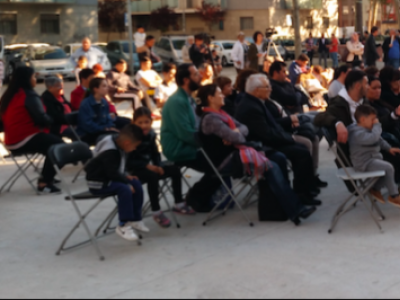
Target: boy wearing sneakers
x: 145, y: 163
x: 105, y: 175
x: 366, y: 145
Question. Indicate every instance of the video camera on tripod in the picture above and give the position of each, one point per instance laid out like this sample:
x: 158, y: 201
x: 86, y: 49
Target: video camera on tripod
x: 269, y: 34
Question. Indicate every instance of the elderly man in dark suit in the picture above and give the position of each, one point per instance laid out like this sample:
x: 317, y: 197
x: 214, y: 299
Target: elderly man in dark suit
x: 262, y: 126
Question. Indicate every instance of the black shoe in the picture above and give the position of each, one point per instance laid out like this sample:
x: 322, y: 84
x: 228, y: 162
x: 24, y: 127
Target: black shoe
x: 56, y: 181
x: 309, y: 201
x: 307, y: 212
x: 49, y: 189
x: 319, y: 183
x: 314, y: 192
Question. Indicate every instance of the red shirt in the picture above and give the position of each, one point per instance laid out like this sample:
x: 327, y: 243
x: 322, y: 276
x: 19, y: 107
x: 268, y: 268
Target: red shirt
x: 335, y: 46
x: 18, y: 123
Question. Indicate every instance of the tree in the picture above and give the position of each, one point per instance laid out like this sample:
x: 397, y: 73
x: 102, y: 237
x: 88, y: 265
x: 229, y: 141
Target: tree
x: 112, y: 16
x: 211, y: 14
x: 297, y: 33
x: 163, y: 18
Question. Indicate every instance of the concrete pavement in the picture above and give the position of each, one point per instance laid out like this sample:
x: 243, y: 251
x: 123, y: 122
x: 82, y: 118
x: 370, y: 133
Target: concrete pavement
x: 225, y: 259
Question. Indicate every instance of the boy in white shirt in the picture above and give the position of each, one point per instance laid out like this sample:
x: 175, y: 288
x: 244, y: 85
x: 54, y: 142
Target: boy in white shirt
x: 168, y: 87
x: 147, y: 78
x: 140, y: 39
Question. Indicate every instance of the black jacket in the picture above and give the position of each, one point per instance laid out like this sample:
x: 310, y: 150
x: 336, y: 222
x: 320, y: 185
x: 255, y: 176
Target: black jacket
x: 286, y: 122
x: 261, y: 124
x: 389, y: 124
x: 55, y: 109
x: 106, y: 166
x: 230, y: 104
x: 371, y: 55
x: 117, y: 80
x: 323, y: 47
x: 284, y: 93
x: 147, y: 152
x: 389, y: 98
x: 386, y: 47
x: 337, y: 111
x: 196, y: 56
x: 34, y: 106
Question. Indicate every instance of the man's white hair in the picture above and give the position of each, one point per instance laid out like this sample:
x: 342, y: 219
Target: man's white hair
x: 254, y: 82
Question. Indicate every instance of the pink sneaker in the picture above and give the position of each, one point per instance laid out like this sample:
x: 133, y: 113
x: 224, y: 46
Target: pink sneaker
x: 162, y: 220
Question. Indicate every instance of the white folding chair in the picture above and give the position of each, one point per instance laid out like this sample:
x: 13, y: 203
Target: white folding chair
x: 362, y: 182
x: 64, y: 154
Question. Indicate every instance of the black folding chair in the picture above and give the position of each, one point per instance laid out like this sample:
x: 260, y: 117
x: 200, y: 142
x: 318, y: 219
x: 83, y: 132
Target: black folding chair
x: 22, y: 168
x: 64, y: 154
x: 72, y: 120
x: 362, y: 183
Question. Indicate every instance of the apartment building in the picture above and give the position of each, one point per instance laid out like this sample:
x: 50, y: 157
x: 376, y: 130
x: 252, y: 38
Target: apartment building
x: 316, y: 16
x: 48, y: 21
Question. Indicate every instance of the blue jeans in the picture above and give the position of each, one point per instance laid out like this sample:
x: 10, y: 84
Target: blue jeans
x: 395, y: 63
x: 129, y: 204
x: 335, y: 59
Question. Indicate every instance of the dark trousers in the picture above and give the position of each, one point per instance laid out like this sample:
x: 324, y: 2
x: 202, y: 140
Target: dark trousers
x: 200, y: 194
x: 280, y: 159
x: 129, y: 204
x: 91, y: 138
x: 303, y: 167
x: 310, y: 54
x: 152, y: 179
x: 41, y: 143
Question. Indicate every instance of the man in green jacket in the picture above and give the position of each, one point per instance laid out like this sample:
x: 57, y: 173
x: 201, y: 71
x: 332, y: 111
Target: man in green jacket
x: 179, y: 127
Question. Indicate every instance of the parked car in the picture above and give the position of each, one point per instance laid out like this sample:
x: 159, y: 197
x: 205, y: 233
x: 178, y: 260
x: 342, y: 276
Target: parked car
x: 169, y: 48
x: 72, y: 48
x: 48, y: 61
x: 12, y: 56
x: 117, y: 50
x: 224, y: 49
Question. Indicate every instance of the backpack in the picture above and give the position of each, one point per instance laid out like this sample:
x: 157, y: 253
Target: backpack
x: 269, y: 209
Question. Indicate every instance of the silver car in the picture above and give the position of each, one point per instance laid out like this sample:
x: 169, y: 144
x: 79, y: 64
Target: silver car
x: 47, y: 61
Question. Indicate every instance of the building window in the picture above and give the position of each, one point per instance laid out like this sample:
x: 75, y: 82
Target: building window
x: 247, y: 23
x: 326, y: 22
x: 49, y: 24
x: 8, y: 24
x: 309, y: 23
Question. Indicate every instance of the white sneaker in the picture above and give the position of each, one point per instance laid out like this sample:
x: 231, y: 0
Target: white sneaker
x: 127, y: 233
x: 139, y: 226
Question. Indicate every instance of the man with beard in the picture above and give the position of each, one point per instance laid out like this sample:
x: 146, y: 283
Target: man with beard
x: 179, y: 128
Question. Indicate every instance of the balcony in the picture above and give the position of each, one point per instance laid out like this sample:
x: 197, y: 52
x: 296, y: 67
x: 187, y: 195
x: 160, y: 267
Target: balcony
x: 303, y: 4
x: 147, y: 6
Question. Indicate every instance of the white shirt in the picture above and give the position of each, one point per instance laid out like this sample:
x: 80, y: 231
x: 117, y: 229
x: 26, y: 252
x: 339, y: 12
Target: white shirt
x: 334, y: 89
x: 352, y: 104
x: 149, y: 75
x: 163, y: 91
x: 140, y: 39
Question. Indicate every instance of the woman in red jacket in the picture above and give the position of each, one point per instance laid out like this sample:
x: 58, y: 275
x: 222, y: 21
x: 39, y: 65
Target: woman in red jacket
x: 26, y: 124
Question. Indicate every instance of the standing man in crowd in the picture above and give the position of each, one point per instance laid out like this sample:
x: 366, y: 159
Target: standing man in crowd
x: 371, y: 54
x: 94, y: 56
x: 186, y: 48
x: 310, y: 48
x: 323, y: 50
x: 140, y: 39
x: 198, y: 51
x: 239, y: 53
x: 391, y: 50
x: 334, y: 49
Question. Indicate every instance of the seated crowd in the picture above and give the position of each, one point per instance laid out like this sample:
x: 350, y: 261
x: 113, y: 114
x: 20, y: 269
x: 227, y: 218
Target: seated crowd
x: 255, y: 127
